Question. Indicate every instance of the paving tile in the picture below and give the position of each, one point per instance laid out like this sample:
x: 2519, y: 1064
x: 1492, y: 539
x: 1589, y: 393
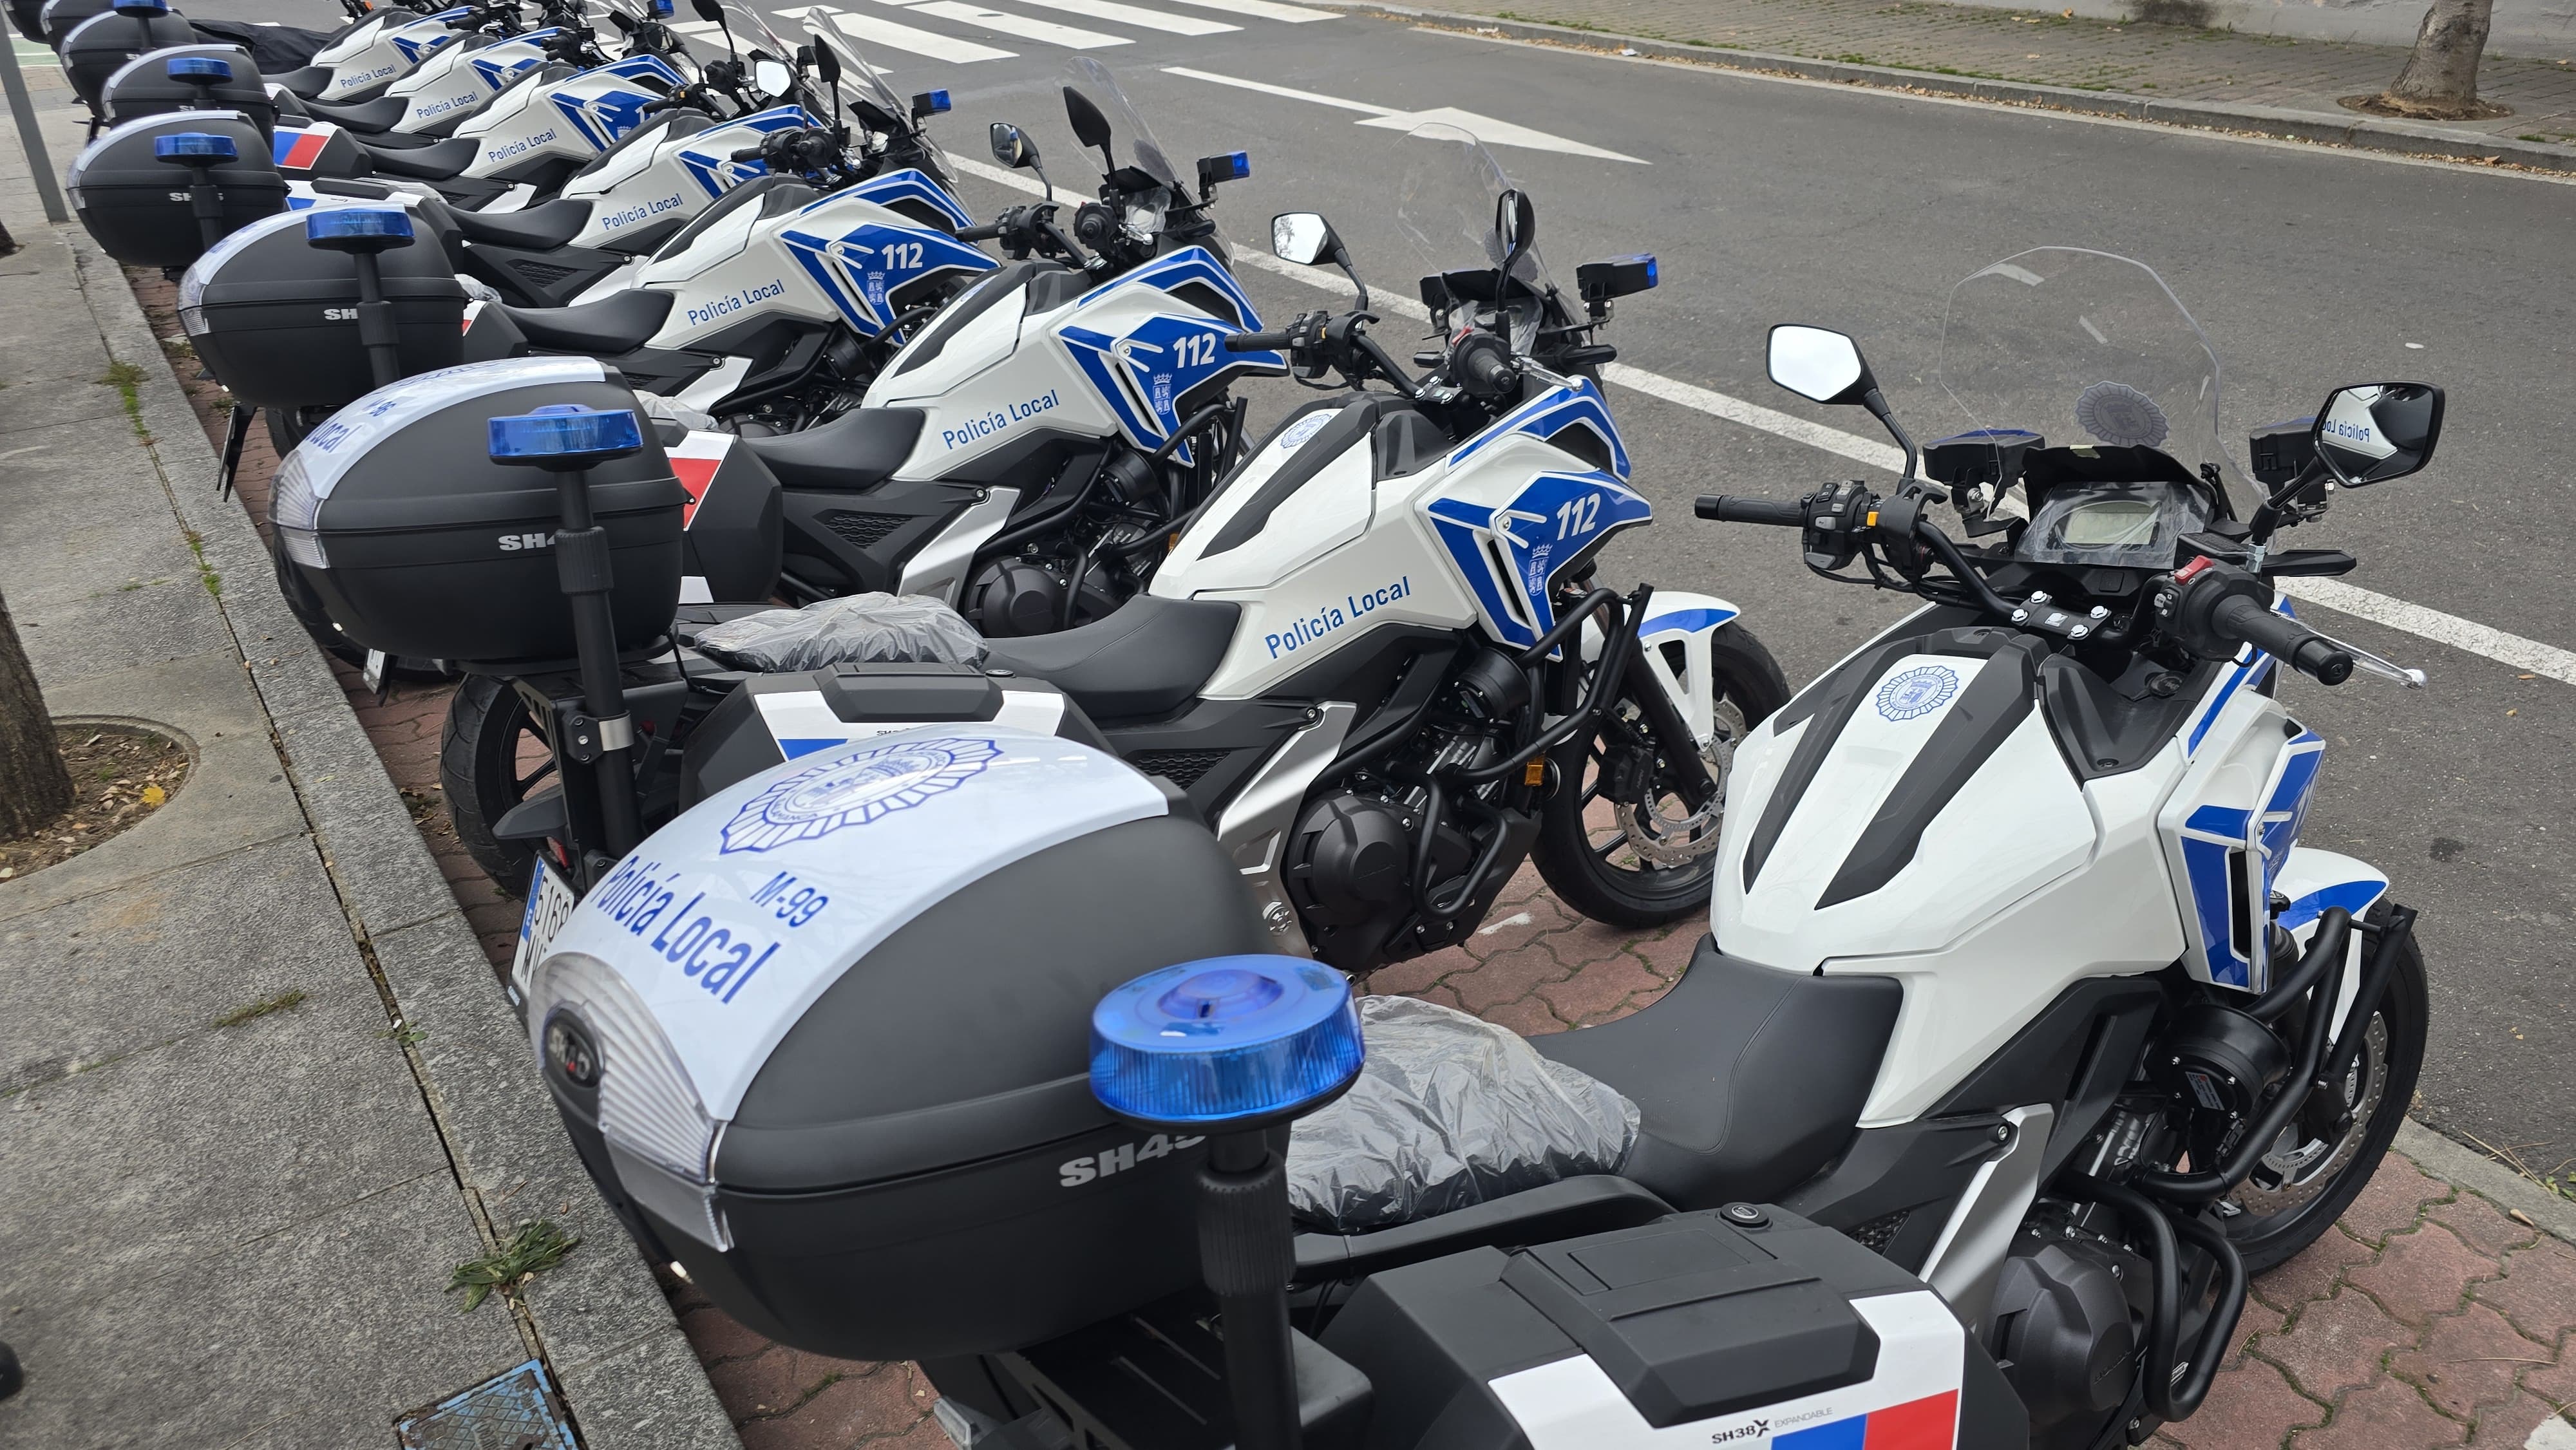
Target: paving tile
x: 1507, y: 977
x: 2557, y: 1383
x: 2247, y: 1409
x: 2538, y: 1290
x: 2392, y: 1200
x: 2337, y: 1345
x: 2481, y: 1225
x: 843, y: 1404
x: 1598, y: 991
x: 2314, y: 1273
x: 2258, y: 1318
x: 2422, y: 1274
x: 2387, y: 1416
x: 2468, y: 1361
x: 776, y: 1380
x: 2518, y: 1423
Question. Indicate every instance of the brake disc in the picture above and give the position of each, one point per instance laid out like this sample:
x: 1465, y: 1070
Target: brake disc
x: 1677, y: 840
x: 2299, y: 1167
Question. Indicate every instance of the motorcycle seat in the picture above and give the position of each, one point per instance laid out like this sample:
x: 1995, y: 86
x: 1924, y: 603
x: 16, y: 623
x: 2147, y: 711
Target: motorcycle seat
x: 304, y: 84
x: 1749, y: 1078
x: 540, y: 228
x: 437, y: 161
x: 857, y: 450
x: 619, y: 322
x: 379, y: 114
x: 1149, y: 657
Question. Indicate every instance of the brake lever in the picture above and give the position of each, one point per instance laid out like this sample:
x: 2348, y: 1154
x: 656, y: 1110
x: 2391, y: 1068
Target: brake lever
x: 2380, y: 665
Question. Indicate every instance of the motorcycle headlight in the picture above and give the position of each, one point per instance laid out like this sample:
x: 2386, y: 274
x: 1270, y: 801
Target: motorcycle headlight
x: 584, y: 1021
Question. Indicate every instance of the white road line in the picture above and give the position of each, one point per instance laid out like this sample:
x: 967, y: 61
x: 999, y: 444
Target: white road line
x: 894, y: 36
x: 1266, y: 10
x: 1025, y: 27
x: 1267, y: 89
x: 1138, y: 15
x: 1487, y: 129
x: 2466, y: 635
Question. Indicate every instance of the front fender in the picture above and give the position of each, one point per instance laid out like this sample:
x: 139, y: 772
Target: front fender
x: 2315, y: 880
x: 1674, y: 647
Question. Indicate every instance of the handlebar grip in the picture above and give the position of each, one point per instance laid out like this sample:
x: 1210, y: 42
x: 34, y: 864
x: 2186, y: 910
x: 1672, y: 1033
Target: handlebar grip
x: 1785, y: 514
x: 1257, y: 342
x: 1487, y: 371
x: 748, y: 153
x: 2287, y: 640
x: 980, y: 234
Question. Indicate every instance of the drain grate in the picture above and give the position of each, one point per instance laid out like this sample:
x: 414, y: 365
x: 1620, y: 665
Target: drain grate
x: 513, y: 1410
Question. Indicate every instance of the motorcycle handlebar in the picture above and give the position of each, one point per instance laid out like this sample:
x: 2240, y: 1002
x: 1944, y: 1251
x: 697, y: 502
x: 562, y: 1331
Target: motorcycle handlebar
x: 1732, y: 510
x: 2239, y: 618
x: 1257, y: 342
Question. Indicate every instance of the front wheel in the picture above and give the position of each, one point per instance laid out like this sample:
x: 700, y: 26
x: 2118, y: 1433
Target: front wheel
x: 1619, y: 841
x: 2320, y: 1162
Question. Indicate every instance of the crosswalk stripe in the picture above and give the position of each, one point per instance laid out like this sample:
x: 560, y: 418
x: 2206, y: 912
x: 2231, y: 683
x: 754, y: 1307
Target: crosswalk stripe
x: 1266, y: 10
x: 1289, y: 92
x: 893, y: 36
x: 1070, y: 37
x: 1138, y: 15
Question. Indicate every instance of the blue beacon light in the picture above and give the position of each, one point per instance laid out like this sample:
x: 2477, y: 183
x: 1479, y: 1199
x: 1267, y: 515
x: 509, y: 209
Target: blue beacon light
x: 565, y: 433
x: 349, y: 223
x: 198, y: 68
x: 189, y: 147
x: 1228, y: 1043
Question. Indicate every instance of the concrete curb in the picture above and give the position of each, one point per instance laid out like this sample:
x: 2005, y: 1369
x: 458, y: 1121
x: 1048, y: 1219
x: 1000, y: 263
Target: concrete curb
x: 600, y: 1321
x: 2358, y: 132
x: 2467, y: 1168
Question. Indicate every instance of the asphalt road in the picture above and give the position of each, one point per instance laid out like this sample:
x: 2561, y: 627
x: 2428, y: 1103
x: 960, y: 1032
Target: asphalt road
x: 1769, y: 201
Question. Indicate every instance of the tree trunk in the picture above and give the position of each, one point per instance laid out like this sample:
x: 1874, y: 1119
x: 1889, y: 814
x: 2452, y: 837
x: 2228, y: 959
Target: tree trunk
x: 2441, y: 74
x: 34, y: 786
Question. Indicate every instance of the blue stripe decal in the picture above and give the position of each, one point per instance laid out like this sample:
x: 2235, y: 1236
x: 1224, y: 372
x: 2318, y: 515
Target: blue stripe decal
x: 2352, y: 896
x: 912, y: 185
x: 2205, y: 865
x: 1688, y: 621
x: 2250, y: 672
x: 791, y: 748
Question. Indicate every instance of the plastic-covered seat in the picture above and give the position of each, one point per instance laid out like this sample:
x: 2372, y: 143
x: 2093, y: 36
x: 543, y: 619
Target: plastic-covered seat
x: 380, y: 114
x: 619, y: 322
x: 437, y: 161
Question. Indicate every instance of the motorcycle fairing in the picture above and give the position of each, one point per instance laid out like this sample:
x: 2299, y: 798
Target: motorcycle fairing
x: 707, y: 159
x: 414, y: 42
x: 1142, y: 371
x: 367, y: 59
x: 1682, y: 624
x: 1510, y: 555
x: 860, y: 269
x: 2231, y: 826
x: 1549, y: 415
x: 601, y: 109
x: 894, y: 188
x: 503, y: 63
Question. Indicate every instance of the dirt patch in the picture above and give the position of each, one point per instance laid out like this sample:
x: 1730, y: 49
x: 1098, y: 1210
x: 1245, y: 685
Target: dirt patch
x: 2386, y: 105
x: 120, y: 775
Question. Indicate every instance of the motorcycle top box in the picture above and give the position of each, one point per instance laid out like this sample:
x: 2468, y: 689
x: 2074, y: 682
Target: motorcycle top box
x: 419, y: 545
x: 276, y: 317
x: 137, y: 204
x: 101, y: 45
x: 191, y: 78
x: 873, y: 967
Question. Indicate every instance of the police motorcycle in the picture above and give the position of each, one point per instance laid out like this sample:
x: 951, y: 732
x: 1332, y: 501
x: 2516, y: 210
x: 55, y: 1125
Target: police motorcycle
x: 1084, y: 405
x: 460, y: 78
x: 858, y: 1041
x: 377, y: 48
x: 1381, y: 660
x: 2027, y: 864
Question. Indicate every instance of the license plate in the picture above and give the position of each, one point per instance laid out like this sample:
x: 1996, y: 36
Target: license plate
x: 550, y: 904
x: 374, y: 674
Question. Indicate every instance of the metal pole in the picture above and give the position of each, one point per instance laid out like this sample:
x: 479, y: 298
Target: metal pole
x: 22, y: 109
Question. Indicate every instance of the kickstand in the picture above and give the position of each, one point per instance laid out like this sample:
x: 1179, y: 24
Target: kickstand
x: 236, y: 431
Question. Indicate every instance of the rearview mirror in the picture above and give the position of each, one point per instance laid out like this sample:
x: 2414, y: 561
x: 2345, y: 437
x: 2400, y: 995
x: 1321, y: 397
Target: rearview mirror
x: 1012, y: 146
x: 2373, y: 432
x: 710, y: 11
x: 827, y: 64
x: 771, y: 77
x: 1303, y: 237
x: 1818, y: 364
x: 1089, y: 126
x: 1515, y: 226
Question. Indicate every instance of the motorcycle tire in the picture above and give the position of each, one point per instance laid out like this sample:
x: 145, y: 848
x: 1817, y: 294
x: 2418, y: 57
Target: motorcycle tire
x: 1593, y: 860
x: 2380, y: 1088
x: 479, y: 747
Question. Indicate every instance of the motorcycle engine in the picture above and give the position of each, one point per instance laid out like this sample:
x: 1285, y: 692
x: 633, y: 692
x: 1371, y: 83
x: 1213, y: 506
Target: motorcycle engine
x: 1352, y: 861
x: 2070, y: 1311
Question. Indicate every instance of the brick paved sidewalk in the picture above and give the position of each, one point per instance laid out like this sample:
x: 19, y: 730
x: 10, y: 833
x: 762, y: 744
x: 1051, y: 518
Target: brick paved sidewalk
x: 2428, y: 1318
x: 2049, y: 48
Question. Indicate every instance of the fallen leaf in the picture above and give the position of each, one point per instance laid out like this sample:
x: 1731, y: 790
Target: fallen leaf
x: 2520, y: 1217
x: 154, y: 795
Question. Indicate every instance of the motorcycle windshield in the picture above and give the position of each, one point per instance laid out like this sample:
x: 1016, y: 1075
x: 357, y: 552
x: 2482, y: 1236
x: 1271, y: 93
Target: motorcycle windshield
x: 864, y: 88
x: 1450, y: 207
x: 1131, y: 141
x: 2083, y: 348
